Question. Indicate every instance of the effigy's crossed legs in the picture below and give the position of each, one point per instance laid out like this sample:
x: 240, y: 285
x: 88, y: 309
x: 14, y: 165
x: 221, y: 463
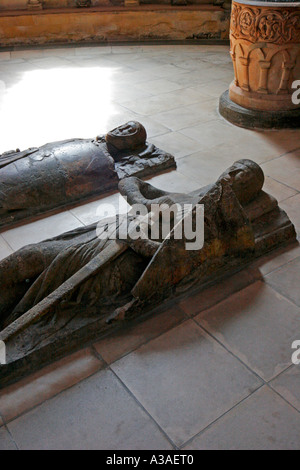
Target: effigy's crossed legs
x: 19, y: 271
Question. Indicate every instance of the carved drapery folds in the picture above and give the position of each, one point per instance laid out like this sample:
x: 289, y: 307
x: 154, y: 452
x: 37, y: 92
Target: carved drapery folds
x: 265, y: 49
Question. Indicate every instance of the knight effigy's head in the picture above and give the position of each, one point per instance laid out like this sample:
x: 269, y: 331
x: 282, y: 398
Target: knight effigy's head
x: 246, y: 179
x: 127, y: 137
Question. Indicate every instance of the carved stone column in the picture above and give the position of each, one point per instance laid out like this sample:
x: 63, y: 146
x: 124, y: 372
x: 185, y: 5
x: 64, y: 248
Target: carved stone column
x: 34, y: 5
x: 265, y: 49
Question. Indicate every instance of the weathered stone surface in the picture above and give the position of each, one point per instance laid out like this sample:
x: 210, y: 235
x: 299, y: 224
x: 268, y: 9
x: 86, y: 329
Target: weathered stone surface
x: 254, y: 119
x: 265, y: 49
x: 63, y: 173
x: 64, y: 292
x: 114, y: 23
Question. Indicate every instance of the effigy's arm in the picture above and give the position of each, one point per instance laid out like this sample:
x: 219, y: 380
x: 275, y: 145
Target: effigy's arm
x: 10, y: 157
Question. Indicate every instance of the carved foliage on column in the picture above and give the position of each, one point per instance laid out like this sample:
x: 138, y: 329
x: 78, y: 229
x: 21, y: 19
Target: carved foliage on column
x: 257, y: 34
x: 277, y: 26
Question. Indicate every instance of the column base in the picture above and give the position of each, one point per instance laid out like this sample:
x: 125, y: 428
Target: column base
x: 251, y: 119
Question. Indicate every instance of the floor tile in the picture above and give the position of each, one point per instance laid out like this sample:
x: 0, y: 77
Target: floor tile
x: 126, y: 49
x: 116, y: 346
x: 40, y: 230
x: 158, y: 86
x: 51, y: 380
x: 136, y: 76
x: 152, y: 127
x: 214, y: 88
x: 5, y: 249
x: 5, y: 55
x: 211, y: 163
x: 268, y: 263
x: 123, y: 94
x: 95, y: 414
x: 288, y: 140
x: 27, y: 54
x: 218, y: 58
x: 256, y: 145
x: 60, y: 52
x: 94, y: 50
x: 186, y: 116
x: 196, y: 303
x: 165, y: 101
x: 102, y: 64
x: 136, y: 62
x: 185, y: 380
x: 166, y: 71
x: 285, y: 169
x: 291, y: 206
x: 6, y: 442
x: 206, y: 165
x: 252, y: 145
x: 210, y: 134
x: 132, y: 58
x: 50, y: 62
x: 262, y: 422
x: 176, y: 144
x: 105, y: 207
x: 202, y: 76
x: 176, y: 182
x: 6, y: 82
x: 192, y: 63
x: 278, y: 190
x: 286, y: 281
x: 257, y: 325
x: 287, y: 385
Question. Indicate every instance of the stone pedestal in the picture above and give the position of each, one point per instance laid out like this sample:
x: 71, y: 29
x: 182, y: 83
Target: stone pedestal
x: 265, y: 50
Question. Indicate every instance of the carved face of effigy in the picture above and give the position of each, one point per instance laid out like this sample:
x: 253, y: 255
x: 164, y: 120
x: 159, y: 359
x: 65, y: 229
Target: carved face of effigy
x: 246, y: 179
x: 127, y: 137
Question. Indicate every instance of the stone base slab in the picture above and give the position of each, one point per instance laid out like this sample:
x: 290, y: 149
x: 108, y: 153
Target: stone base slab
x: 259, y: 101
x: 112, y: 24
x: 252, y: 119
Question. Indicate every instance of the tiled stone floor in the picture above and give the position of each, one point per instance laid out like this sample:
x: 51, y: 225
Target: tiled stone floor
x: 213, y: 371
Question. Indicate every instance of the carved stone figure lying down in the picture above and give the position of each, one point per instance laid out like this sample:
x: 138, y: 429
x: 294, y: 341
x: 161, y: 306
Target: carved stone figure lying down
x: 57, y: 294
x: 62, y: 173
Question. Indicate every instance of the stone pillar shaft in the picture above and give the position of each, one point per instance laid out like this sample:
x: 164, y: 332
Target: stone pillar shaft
x: 265, y: 48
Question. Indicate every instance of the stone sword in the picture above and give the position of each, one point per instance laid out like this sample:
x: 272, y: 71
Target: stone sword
x: 115, y: 249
